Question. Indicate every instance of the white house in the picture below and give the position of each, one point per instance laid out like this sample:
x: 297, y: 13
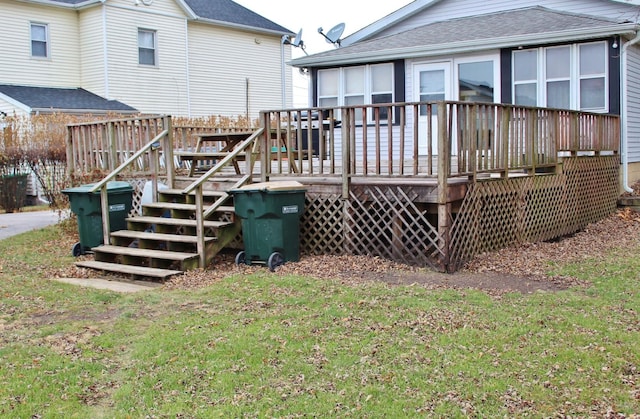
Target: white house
x: 181, y: 57
x: 568, y: 54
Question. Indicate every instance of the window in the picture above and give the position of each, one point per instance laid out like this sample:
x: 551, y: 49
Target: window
x: 525, y: 77
x: 476, y: 81
x: 39, y: 40
x: 558, y: 77
x: 147, y: 47
x: 593, y: 75
x: 352, y: 86
x: 570, y: 76
x: 382, y: 86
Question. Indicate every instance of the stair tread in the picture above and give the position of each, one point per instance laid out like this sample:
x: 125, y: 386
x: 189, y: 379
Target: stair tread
x: 128, y: 269
x: 150, y: 253
x: 177, y: 221
x: 174, y: 238
x: 204, y: 154
x: 170, y: 205
x: 205, y: 192
x: 180, y: 206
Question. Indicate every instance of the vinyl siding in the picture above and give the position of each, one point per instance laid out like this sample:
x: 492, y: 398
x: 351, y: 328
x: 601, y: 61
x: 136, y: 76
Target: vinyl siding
x: 92, y: 50
x: 10, y: 109
x: 633, y: 103
x: 452, y: 9
x: 158, y: 89
x: 61, y: 69
x: 223, y: 61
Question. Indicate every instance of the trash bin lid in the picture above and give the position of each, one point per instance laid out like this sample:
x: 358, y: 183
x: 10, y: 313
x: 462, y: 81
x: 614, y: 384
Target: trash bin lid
x: 114, y: 186
x: 289, y: 185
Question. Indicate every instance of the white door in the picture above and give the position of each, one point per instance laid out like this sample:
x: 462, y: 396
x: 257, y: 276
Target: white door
x: 432, y: 83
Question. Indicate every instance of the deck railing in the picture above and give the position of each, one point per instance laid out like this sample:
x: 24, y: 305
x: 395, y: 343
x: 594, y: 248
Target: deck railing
x: 105, y: 144
x: 421, y: 139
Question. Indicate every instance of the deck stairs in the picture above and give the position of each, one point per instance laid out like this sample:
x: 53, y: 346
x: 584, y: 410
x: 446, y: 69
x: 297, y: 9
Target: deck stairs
x: 164, y: 240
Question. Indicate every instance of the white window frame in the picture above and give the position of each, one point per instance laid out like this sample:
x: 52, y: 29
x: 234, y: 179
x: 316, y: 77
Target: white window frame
x: 368, y: 83
x: 154, y: 34
x: 493, y: 58
x: 46, y: 42
x: 574, y: 81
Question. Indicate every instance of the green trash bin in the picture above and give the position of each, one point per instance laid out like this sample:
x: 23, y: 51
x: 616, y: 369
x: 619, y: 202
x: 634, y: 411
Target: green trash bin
x: 87, y: 206
x: 270, y: 214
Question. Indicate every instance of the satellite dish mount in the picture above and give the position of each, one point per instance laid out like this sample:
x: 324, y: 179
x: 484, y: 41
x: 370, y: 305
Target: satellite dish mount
x: 334, y: 34
x: 296, y: 42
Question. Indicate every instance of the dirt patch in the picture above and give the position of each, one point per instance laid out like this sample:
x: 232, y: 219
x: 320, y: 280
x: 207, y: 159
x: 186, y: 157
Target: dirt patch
x: 517, y: 269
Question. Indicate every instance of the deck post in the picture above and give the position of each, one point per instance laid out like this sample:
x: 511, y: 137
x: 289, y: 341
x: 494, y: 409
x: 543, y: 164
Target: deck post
x: 69, y: 151
x: 113, y: 148
x: 104, y: 206
x: 346, y: 152
x: 444, y: 167
x: 265, y: 163
x: 200, y: 226
x: 168, y: 152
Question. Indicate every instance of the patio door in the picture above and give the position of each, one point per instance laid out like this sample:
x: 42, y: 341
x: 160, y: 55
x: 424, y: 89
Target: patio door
x: 432, y: 83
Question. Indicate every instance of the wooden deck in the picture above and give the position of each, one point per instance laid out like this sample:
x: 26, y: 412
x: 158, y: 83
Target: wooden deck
x: 474, y: 178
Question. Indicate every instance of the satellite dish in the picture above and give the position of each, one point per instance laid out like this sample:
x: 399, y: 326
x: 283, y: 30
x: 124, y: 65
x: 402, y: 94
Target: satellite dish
x: 334, y: 34
x: 297, y: 41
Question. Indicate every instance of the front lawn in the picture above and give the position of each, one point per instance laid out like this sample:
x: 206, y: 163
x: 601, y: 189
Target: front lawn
x: 267, y: 345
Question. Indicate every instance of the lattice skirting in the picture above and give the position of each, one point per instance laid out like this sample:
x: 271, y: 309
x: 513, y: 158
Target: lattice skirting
x: 503, y: 212
x: 378, y: 221
x: 138, y: 186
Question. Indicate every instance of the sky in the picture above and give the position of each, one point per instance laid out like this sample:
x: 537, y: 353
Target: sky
x: 311, y: 15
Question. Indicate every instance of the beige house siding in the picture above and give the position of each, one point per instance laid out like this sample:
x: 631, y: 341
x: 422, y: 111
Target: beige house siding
x: 11, y: 109
x: 232, y: 71
x: 151, y: 89
x: 93, y: 52
x: 202, y: 69
x: 61, y: 69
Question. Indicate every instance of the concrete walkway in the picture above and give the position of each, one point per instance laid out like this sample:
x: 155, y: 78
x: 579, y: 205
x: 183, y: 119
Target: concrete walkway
x: 15, y: 223
x: 105, y: 284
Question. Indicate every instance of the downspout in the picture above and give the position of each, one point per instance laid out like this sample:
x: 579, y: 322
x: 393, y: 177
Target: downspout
x: 105, y: 50
x: 188, y: 67
x: 623, y: 115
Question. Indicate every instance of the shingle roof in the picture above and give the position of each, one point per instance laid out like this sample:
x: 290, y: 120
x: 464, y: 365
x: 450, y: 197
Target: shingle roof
x: 230, y: 12
x: 47, y: 98
x: 522, y: 26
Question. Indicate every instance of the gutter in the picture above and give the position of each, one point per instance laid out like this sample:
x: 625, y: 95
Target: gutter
x: 247, y: 28
x: 41, y: 111
x: 624, y: 114
x: 64, y: 5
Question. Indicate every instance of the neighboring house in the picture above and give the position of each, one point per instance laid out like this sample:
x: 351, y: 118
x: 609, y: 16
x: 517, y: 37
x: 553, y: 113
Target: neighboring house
x: 191, y: 58
x: 569, y: 54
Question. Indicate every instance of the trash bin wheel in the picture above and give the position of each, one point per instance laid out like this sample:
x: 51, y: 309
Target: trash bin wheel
x: 76, y: 250
x: 275, y: 259
x: 241, y: 258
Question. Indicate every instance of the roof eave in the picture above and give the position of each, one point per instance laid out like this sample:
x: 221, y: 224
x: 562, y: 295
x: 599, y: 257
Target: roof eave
x: 52, y: 3
x: 468, y: 46
x: 82, y: 111
x: 242, y: 27
x: 188, y: 10
x: 15, y: 103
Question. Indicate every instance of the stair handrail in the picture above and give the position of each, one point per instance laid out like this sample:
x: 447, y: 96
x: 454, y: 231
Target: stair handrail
x: 197, y: 186
x: 152, y: 146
